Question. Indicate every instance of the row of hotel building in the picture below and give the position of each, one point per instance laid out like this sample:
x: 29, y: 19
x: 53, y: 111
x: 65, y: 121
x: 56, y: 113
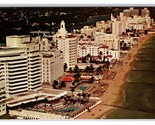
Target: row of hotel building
x: 26, y: 62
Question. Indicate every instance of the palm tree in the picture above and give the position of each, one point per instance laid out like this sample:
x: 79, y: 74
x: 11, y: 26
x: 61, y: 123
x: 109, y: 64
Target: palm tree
x: 99, y: 70
x: 65, y: 67
x: 76, y: 69
x: 62, y: 84
x: 84, y: 95
x: 55, y: 84
x: 72, y: 90
x: 91, y: 68
x: 87, y: 69
x: 77, y: 77
x: 79, y: 94
x: 92, y: 79
x: 70, y: 70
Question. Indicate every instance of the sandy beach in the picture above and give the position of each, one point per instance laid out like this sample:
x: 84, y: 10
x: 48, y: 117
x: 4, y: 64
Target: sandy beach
x: 115, y: 95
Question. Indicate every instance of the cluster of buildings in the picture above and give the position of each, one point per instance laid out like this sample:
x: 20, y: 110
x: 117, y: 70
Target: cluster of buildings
x: 26, y: 62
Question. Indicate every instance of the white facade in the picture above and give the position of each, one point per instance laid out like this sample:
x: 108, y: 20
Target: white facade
x: 52, y: 65
x: 16, y: 41
x: 14, y: 69
x: 88, y: 31
x: 118, y: 25
x: 67, y: 43
x: 69, y: 48
x: 21, y: 71
x: 110, y: 40
x: 138, y: 12
x: 132, y: 20
x: 94, y: 49
x: 138, y: 22
x: 21, y: 65
x: 2, y: 94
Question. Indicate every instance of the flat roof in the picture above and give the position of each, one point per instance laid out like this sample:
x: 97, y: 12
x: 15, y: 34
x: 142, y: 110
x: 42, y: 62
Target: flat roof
x: 9, y: 48
x: 9, y: 51
x: 18, y: 36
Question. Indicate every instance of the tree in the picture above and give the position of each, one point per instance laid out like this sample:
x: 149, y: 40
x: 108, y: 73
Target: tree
x: 104, y: 58
x: 107, y: 64
x: 88, y: 96
x: 92, y: 79
x: 76, y: 69
x: 65, y: 67
x: 121, y: 43
x: 72, y: 89
x: 81, y: 37
x: 79, y: 94
x: 77, y: 77
x: 55, y: 84
x: 70, y: 70
x: 145, y: 32
x: 84, y: 95
x: 100, y: 53
x: 123, y: 33
x: 91, y: 68
x: 99, y: 70
x: 62, y: 84
x: 87, y: 69
x: 125, y: 46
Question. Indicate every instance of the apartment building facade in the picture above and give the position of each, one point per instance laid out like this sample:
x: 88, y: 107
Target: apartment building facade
x: 2, y: 93
x: 52, y: 65
x: 67, y: 43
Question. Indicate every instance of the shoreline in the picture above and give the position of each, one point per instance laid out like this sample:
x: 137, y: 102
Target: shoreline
x: 116, y: 93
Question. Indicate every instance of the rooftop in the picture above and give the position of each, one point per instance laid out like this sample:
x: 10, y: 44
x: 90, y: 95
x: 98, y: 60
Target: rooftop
x: 10, y: 51
x: 18, y: 36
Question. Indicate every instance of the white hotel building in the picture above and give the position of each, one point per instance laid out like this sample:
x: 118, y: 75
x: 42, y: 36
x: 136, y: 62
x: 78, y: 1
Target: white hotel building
x: 138, y: 19
x: 52, y: 60
x: 108, y: 44
x: 67, y: 43
x: 21, y: 65
x: 2, y: 94
x: 88, y: 31
x: 52, y: 65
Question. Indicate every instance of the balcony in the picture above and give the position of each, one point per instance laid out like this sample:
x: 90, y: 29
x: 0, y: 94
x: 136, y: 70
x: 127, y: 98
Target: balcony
x: 17, y: 66
x: 18, y: 87
x: 11, y: 73
x: 18, y: 69
x: 17, y: 62
x: 36, y: 79
x: 35, y: 75
x: 35, y: 64
x: 17, y: 83
x: 35, y: 61
x: 18, y: 91
x: 35, y: 72
x: 11, y: 76
x: 17, y: 79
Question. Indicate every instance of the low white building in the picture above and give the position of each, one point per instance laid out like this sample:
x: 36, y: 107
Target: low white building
x: 87, y: 30
x: 94, y: 49
x: 110, y: 40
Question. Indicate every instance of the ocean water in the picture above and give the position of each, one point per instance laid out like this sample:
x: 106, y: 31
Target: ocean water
x: 140, y: 86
